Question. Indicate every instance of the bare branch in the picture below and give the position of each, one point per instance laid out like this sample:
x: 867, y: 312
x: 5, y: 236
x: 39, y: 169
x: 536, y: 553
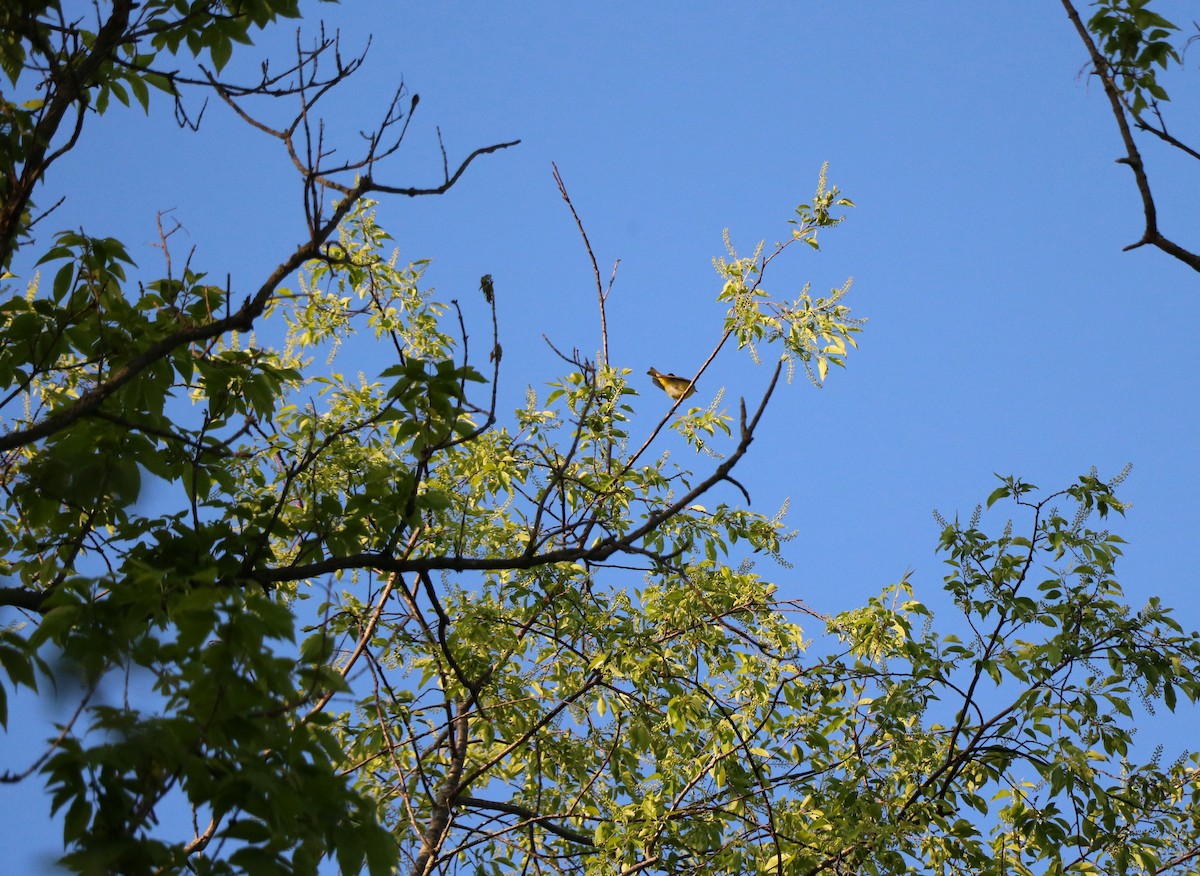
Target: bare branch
x: 562, y: 190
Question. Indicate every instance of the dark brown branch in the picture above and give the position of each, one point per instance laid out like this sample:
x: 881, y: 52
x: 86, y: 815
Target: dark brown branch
x: 1193, y: 852
x: 216, y: 449
x: 1161, y: 133
x: 542, y: 821
x: 1151, y: 235
x: 23, y: 597
x: 450, y: 181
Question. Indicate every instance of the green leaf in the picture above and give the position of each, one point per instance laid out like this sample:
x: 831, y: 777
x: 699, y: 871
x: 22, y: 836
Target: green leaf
x: 141, y: 92
x: 248, y: 830
x: 220, y: 50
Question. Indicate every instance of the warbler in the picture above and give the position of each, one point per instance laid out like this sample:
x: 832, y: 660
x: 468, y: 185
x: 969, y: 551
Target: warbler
x: 672, y: 384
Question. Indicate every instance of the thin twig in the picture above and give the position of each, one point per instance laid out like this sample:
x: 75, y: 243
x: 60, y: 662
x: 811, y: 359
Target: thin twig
x: 562, y: 190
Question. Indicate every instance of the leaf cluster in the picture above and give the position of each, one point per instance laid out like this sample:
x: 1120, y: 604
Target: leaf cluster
x: 1136, y: 40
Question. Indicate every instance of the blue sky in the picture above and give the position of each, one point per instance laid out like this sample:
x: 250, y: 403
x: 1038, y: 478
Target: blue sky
x: 1008, y: 331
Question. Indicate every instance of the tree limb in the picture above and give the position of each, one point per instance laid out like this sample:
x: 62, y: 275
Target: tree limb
x: 542, y: 821
x: 1151, y: 235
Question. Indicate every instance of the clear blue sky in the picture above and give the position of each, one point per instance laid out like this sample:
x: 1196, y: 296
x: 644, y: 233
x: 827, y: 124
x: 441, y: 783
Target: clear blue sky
x: 1008, y: 332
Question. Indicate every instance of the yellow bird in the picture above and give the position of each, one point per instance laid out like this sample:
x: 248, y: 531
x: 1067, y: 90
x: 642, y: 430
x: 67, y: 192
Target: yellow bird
x: 672, y: 384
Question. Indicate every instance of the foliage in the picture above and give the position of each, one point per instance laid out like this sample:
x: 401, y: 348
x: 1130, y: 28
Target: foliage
x: 371, y: 620
x: 1135, y: 40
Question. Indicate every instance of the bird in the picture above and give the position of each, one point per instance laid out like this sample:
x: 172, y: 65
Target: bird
x: 672, y: 384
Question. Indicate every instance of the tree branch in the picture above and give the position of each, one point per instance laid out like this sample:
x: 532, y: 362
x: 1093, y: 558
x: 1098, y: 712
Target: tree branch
x: 542, y: 821
x: 1151, y: 235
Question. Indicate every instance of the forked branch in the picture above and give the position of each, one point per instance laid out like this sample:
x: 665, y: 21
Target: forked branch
x: 1133, y: 157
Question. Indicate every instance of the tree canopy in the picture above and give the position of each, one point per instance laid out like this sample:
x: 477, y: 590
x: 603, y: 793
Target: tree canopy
x: 374, y: 622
